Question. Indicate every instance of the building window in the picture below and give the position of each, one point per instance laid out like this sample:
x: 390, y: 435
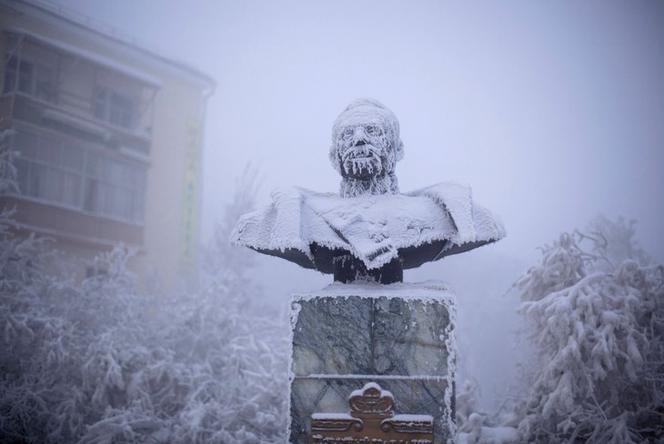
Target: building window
x: 115, y: 107
x: 113, y: 188
x: 9, y: 83
x: 33, y: 79
x: 64, y: 172
x: 49, y: 170
x: 26, y: 77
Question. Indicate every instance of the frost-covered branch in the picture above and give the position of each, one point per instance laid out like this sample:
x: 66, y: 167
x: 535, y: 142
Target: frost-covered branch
x: 598, y: 329
x: 102, y: 360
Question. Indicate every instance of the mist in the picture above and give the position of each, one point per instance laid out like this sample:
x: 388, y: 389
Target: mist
x: 551, y: 111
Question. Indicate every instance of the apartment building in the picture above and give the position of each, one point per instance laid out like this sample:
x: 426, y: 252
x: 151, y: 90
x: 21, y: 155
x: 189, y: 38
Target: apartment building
x: 108, y: 135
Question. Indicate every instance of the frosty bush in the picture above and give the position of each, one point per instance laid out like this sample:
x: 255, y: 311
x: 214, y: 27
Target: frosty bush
x: 595, y: 305
x: 100, y: 361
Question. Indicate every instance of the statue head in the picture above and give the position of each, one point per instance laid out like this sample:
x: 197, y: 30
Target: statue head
x: 365, y: 148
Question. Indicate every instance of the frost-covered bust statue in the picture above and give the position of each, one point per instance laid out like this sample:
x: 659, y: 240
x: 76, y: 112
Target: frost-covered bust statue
x: 370, y: 231
x: 365, y: 149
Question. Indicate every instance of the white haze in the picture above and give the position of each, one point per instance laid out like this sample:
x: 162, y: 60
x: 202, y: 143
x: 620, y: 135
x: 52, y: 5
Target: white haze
x: 553, y: 112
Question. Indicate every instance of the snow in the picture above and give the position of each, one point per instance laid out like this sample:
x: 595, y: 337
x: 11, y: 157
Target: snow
x: 370, y: 122
x: 451, y: 346
x: 372, y: 377
x: 428, y: 291
x: 105, y: 359
x: 406, y: 417
x: 373, y: 228
x: 369, y: 219
x: 369, y: 386
x: 490, y: 435
x: 362, y: 111
x: 333, y: 416
x: 595, y: 315
x: 292, y: 318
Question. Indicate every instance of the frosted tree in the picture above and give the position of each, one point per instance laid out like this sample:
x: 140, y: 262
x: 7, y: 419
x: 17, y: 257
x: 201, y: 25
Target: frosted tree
x: 220, y: 371
x: 595, y: 307
x: 30, y: 341
x: 100, y: 361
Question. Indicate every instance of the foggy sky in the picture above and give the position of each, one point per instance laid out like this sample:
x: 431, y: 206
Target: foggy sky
x: 552, y: 111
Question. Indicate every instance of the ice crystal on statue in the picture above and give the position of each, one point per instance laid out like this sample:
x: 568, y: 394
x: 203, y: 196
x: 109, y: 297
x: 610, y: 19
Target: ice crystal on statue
x: 370, y: 231
x: 365, y: 149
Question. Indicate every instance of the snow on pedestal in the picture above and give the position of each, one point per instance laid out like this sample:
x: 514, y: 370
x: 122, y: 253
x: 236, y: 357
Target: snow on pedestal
x: 400, y: 336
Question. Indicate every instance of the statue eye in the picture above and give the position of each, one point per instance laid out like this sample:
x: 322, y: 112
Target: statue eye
x: 373, y: 130
x: 348, y: 132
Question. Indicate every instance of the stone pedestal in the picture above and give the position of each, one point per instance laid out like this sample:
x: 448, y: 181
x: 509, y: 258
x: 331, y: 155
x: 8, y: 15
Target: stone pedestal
x: 400, y: 336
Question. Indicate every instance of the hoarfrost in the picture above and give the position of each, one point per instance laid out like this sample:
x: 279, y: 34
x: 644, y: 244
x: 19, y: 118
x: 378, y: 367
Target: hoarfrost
x: 373, y: 228
x: 101, y: 361
x: 595, y: 310
x: 365, y: 149
x: 595, y: 304
x: 369, y: 231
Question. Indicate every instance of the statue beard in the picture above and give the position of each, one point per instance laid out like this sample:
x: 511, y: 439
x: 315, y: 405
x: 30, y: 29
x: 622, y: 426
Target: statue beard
x: 364, y: 171
x: 362, y: 162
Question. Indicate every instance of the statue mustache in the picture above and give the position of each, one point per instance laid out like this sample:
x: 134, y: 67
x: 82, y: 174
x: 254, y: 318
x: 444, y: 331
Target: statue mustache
x: 367, y: 148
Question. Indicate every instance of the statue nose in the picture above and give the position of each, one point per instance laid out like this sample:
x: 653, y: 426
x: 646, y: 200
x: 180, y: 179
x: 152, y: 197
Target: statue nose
x: 359, y: 136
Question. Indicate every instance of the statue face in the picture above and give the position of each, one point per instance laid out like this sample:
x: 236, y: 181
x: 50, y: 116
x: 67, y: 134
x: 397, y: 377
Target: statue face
x: 363, y: 149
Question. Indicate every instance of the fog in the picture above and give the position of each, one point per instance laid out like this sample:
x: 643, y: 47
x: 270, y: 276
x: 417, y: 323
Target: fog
x: 552, y: 112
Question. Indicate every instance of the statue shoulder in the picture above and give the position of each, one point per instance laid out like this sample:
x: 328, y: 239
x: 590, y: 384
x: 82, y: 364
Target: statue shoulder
x: 290, y: 194
x: 445, y: 191
x: 473, y: 222
x: 281, y: 224
x: 456, y: 198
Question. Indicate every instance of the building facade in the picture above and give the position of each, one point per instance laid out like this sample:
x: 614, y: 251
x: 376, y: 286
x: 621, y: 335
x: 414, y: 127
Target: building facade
x: 108, y: 137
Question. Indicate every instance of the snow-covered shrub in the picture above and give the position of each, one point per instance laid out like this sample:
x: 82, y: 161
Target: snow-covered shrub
x: 595, y: 307
x: 100, y: 361
x: 476, y: 427
x: 466, y: 404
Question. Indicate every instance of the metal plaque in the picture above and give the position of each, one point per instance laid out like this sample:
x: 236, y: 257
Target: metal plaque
x: 371, y: 421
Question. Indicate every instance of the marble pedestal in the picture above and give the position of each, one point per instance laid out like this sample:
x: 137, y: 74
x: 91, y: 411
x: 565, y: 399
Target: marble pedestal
x: 400, y: 336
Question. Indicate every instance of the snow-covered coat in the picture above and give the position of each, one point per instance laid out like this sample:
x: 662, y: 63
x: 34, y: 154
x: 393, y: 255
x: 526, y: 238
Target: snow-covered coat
x: 311, y: 228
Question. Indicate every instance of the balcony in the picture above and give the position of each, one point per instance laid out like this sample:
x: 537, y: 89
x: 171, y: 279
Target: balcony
x: 46, y: 85
x: 82, y: 131
x: 33, y: 215
x: 72, y: 186
x: 76, y: 121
